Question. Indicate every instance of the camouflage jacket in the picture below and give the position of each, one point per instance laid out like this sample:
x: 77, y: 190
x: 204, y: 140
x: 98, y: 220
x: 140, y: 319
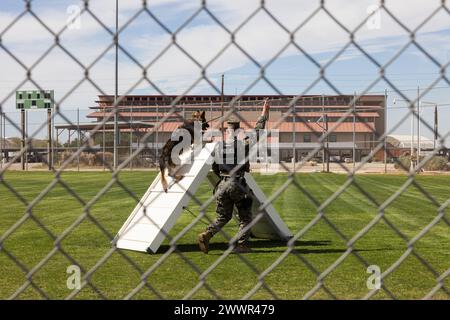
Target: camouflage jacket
x: 226, y: 168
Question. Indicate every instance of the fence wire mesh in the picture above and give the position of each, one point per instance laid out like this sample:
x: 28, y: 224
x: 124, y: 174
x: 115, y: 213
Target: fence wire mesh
x: 32, y: 275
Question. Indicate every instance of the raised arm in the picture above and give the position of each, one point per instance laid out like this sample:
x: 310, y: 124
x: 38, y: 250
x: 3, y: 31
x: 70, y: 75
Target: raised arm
x: 261, y: 122
x: 266, y: 108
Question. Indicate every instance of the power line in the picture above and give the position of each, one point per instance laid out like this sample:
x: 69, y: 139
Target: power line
x: 298, y: 106
x: 272, y: 75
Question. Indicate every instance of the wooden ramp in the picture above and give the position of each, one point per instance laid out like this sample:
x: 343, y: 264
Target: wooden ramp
x: 157, y: 212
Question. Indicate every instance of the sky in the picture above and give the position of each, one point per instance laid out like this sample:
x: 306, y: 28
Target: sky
x: 294, y: 40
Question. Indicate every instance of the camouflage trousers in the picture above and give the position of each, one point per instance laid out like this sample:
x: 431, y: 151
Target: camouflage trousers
x: 232, y: 192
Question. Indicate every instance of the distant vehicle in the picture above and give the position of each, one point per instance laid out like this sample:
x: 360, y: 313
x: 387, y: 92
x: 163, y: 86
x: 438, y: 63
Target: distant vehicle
x: 348, y: 160
x: 335, y: 159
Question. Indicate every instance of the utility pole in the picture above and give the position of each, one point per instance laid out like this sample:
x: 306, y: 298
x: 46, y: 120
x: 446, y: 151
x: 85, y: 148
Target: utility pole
x: 435, y: 132
x: 328, y: 144
x: 50, y: 138
x: 294, y: 140
x: 4, y: 135
x: 222, y: 106
x: 435, y: 127
x: 156, y: 140
x: 116, y: 129
x: 22, y: 123
x: 78, y: 139
x: 323, y: 131
x: 1, y: 139
x: 26, y: 139
x: 418, y: 125
x: 353, y: 129
x: 131, y: 137
x: 412, y: 140
x: 384, y: 131
x: 103, y: 138
x: 54, y: 152
x: 56, y: 134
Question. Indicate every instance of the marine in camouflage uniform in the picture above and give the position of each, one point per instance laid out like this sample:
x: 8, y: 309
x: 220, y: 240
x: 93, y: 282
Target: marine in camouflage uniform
x: 232, y: 189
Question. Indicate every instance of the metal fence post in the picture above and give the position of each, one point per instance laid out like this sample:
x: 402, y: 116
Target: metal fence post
x: 27, y: 142
x: 22, y: 125
x: 131, y: 138
x: 50, y: 139
x: 1, y: 139
x: 353, y: 131
x: 78, y: 139
x: 116, y: 89
x: 385, y: 113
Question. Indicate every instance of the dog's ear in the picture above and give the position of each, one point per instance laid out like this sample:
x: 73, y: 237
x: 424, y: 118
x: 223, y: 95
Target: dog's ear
x: 203, y: 115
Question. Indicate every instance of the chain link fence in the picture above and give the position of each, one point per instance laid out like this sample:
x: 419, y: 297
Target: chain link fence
x: 178, y: 270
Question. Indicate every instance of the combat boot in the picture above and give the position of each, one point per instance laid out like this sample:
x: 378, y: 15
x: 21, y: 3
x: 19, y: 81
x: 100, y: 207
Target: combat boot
x: 203, y: 241
x: 242, y: 248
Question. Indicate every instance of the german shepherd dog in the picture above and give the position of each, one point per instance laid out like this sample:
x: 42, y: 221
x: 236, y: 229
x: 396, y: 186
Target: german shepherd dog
x: 165, y: 160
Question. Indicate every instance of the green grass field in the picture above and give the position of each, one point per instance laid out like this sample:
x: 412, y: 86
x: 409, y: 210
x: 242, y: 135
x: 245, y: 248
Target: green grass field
x: 232, y: 279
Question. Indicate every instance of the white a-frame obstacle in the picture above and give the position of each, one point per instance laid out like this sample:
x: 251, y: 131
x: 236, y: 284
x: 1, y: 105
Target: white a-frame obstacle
x: 156, y: 213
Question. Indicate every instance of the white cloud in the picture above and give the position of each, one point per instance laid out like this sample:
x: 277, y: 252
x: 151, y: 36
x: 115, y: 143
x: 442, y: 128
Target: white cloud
x: 261, y: 37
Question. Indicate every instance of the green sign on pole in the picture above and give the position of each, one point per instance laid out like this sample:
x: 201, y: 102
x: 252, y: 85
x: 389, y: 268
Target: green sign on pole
x: 35, y: 99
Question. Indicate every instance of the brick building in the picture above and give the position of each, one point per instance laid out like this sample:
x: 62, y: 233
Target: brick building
x: 312, y: 115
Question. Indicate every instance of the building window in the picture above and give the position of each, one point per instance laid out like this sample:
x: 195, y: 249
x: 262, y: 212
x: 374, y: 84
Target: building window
x: 20, y: 96
x: 33, y: 103
x: 29, y: 96
x: 307, y: 137
x: 333, y: 138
